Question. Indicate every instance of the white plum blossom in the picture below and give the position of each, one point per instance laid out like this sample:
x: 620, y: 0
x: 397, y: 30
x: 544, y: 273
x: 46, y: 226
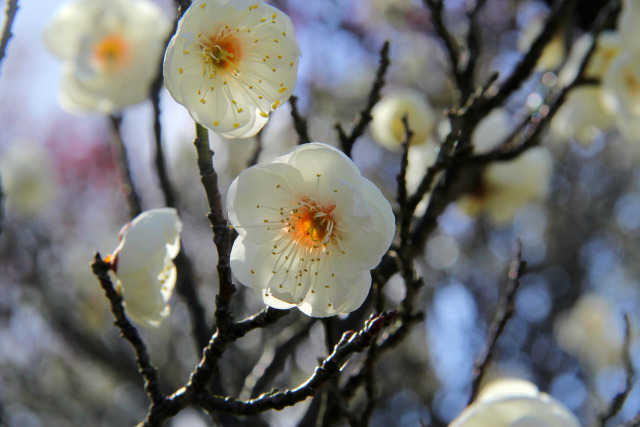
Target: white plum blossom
x: 590, y: 330
x: 505, y: 186
x: 310, y: 229
x: 628, y: 20
x: 111, y: 51
x: 387, y: 128
x: 621, y: 93
x: 582, y: 116
x: 143, y: 264
x: 28, y: 179
x: 232, y: 62
x: 512, y: 402
x: 608, y: 46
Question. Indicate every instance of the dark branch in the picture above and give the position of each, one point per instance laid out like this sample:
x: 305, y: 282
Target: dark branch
x: 128, y: 331
x: 363, y: 119
x: 10, y: 13
x: 120, y: 153
x: 208, y: 366
x: 350, y: 343
x: 280, y: 356
x: 527, y: 64
x: 299, y: 122
x: 452, y: 47
x: 504, y: 313
x: 221, y: 231
x: 619, y: 400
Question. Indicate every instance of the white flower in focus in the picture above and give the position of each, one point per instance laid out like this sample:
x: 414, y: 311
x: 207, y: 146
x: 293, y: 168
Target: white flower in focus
x: 581, y: 117
x: 511, y: 402
x: 111, y: 50
x: 590, y: 332
x: 621, y: 93
x: 387, y: 127
x: 506, y: 186
x: 143, y: 264
x: 27, y: 178
x: 310, y: 229
x: 232, y: 62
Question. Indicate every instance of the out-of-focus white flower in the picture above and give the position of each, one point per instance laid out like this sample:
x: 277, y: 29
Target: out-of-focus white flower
x: 27, y: 178
x: 608, y: 46
x: 387, y: 128
x: 111, y: 50
x: 512, y: 402
x: 621, y: 93
x: 310, y: 229
x: 590, y: 332
x: 143, y: 264
x: 628, y: 20
x: 232, y: 62
x: 581, y: 117
x: 506, y: 186
x: 553, y: 53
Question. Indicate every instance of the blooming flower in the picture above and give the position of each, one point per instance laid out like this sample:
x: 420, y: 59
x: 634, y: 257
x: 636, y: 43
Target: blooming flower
x: 505, y: 186
x: 387, y: 127
x: 310, y: 229
x: 511, y: 402
x: 232, y: 62
x: 111, y: 50
x: 143, y: 264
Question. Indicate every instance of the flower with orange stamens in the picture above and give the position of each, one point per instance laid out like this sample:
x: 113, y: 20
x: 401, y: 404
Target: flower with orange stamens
x: 310, y: 229
x: 111, y: 50
x: 230, y: 63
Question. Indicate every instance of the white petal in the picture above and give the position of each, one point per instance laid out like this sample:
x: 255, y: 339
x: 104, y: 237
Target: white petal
x: 150, y: 236
x: 256, y: 195
x: 315, y: 159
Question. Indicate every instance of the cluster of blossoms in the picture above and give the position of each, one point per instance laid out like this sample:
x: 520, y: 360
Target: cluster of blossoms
x: 111, y: 51
x: 231, y: 63
x: 310, y: 229
x: 511, y: 402
x: 615, y: 63
x: 143, y: 264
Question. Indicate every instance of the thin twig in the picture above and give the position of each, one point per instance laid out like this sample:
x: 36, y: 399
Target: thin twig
x: 280, y: 356
x: 527, y: 64
x: 350, y: 343
x: 619, y: 399
x: 452, y: 47
x: 299, y: 122
x: 504, y: 313
x: 406, y: 213
x: 208, y: 366
x: 128, y: 331
x: 221, y: 231
x: 533, y: 126
x: 10, y: 13
x: 120, y: 153
x: 363, y: 119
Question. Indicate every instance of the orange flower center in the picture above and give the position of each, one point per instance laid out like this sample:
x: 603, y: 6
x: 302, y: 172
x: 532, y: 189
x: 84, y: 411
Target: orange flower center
x: 312, y: 225
x: 112, y: 52
x: 223, y: 50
